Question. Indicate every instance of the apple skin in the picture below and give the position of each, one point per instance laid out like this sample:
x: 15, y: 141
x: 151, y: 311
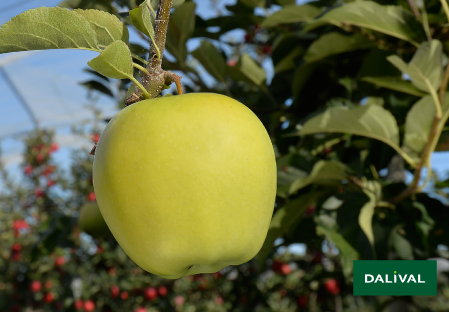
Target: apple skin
x: 91, y: 221
x: 186, y: 183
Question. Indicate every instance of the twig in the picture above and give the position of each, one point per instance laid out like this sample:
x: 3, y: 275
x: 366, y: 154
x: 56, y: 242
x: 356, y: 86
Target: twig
x: 415, y: 10
x: 411, y: 189
x: 443, y: 86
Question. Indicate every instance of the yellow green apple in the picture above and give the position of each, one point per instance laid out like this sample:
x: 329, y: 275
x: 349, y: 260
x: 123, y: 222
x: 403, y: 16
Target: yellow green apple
x: 186, y: 183
x: 91, y: 221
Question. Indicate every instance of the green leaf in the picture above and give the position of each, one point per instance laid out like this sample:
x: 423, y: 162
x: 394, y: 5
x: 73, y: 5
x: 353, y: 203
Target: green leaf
x: 347, y: 252
x: 394, y: 83
x: 401, y: 245
x: 323, y: 171
x: 291, y: 14
x: 115, y: 61
x: 98, y: 86
x: 388, y: 19
x: 89, y: 4
x: 371, y: 121
x: 419, y: 122
x: 443, y: 142
x: 284, y: 218
x: 335, y: 43
x: 253, y: 3
x: 248, y: 70
x: 301, y: 77
x: 107, y: 26
x: 142, y: 19
x: 208, y: 55
x: 373, y: 190
x: 47, y: 28
x: 287, y: 62
x: 426, y: 66
x: 180, y: 29
x: 93, y: 72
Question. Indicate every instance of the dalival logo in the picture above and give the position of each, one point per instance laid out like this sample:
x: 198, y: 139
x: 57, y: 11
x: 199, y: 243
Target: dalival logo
x: 380, y: 278
x: 369, y: 278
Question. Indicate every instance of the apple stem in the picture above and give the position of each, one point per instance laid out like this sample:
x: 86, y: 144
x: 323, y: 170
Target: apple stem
x: 153, y: 81
x: 172, y: 77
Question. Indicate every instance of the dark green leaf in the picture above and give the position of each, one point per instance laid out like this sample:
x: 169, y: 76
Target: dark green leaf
x: 248, y: 70
x: 323, y: 171
x: 395, y: 83
x: 347, y: 252
x: 426, y: 68
x: 291, y: 14
x: 335, y: 43
x: 372, y: 121
x: 180, y: 29
x: 211, y: 60
x: 401, y: 245
x: 287, y: 62
x: 285, y: 217
x: 388, y: 19
x: 98, y: 86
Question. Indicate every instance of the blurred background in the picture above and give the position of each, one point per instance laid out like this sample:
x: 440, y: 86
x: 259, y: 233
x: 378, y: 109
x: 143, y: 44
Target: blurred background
x: 56, y: 252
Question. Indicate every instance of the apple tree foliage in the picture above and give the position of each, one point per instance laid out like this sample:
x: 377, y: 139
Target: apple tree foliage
x: 355, y: 102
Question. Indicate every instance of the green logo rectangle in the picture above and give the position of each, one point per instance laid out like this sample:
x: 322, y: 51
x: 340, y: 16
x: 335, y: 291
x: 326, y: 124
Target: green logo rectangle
x: 395, y: 278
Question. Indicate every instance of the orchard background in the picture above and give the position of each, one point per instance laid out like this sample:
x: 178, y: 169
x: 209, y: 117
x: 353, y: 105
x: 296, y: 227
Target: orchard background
x: 347, y: 90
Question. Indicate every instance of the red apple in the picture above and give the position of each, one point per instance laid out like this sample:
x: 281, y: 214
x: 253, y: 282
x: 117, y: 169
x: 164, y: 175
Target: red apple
x: 36, y: 286
x: 79, y: 304
x: 115, y: 291
x: 150, y: 293
x: 162, y: 290
x: 60, y: 261
x: 49, y: 297
x: 91, y: 196
x: 89, y: 306
x: 332, y: 287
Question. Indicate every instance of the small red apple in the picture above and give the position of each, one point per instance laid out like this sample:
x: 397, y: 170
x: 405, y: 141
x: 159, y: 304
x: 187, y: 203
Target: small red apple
x: 60, y: 261
x: 91, y: 196
x: 89, y: 306
x: 219, y: 300
x: 95, y: 137
x: 49, y: 297
x: 163, y: 291
x: 28, y: 169
x: 150, y: 293
x: 332, y: 287
x: 115, y: 291
x: 79, y: 304
x: 266, y: 49
x: 50, y: 183
x: 16, y: 247
x: 285, y: 269
x: 54, y: 147
x: 38, y: 192
x: 124, y: 295
x: 179, y: 300
x: 36, y: 286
